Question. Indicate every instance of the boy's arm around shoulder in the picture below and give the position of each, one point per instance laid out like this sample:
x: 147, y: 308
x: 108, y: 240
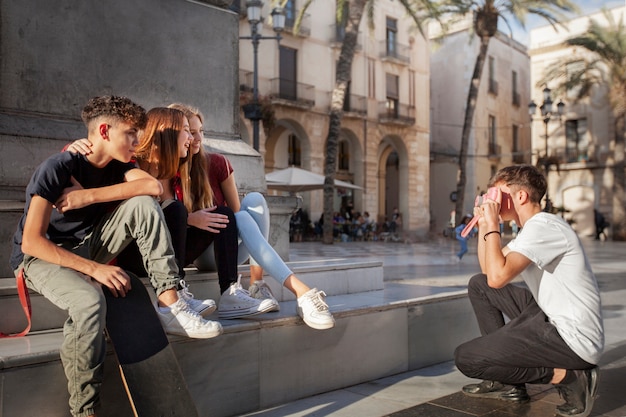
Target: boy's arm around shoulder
x: 138, y: 182
x: 36, y: 244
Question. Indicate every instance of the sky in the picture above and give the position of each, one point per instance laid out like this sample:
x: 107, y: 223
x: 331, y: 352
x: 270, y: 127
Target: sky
x: 587, y: 6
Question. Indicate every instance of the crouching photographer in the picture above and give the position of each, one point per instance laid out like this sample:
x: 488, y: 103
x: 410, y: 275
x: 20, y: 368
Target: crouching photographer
x: 549, y: 332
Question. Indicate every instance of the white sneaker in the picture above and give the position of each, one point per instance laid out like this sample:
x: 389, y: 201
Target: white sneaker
x: 314, y: 310
x: 261, y: 291
x: 236, y: 302
x: 181, y: 320
x: 202, y: 307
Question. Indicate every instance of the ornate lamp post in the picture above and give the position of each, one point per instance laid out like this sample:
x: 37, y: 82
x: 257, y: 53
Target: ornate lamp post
x: 548, y: 114
x: 252, y: 111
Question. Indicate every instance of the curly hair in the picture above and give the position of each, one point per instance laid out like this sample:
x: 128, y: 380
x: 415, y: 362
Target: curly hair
x: 116, y: 107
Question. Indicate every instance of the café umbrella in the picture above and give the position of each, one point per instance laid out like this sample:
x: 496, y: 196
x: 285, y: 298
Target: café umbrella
x: 295, y: 180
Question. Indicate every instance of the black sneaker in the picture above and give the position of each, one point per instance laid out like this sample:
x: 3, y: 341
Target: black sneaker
x: 580, y: 394
x: 498, y: 391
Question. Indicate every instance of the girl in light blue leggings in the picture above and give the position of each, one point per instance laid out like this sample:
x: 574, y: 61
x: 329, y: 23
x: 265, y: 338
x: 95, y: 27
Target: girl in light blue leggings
x: 253, y: 223
x: 252, y: 218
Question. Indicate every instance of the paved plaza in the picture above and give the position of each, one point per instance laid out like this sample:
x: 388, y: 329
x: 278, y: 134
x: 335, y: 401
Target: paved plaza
x: 434, y: 391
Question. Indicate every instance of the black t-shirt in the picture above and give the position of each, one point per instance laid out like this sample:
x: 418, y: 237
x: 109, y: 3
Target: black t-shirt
x: 49, y: 181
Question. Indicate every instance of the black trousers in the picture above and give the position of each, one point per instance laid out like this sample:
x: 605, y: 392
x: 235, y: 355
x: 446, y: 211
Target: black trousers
x: 190, y: 242
x: 526, y: 349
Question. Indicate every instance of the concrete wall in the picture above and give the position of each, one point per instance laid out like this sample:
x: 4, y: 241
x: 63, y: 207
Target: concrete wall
x: 54, y: 56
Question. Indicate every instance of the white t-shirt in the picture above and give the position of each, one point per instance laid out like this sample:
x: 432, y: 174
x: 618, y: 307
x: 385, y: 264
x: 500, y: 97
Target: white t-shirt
x: 561, y: 280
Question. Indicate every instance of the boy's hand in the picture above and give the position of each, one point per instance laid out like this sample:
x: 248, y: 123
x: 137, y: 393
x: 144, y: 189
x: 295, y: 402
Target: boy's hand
x: 114, y: 278
x: 490, y: 212
x: 82, y: 146
x: 207, y: 220
x: 72, y: 198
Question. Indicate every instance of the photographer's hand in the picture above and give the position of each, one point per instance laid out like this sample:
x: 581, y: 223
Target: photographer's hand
x: 490, y: 213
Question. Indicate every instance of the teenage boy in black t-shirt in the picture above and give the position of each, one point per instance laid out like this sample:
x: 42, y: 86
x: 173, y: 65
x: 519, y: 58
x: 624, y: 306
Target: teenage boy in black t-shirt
x: 80, y: 212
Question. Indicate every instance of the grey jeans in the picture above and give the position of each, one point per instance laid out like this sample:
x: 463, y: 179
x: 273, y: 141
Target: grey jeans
x: 82, y: 353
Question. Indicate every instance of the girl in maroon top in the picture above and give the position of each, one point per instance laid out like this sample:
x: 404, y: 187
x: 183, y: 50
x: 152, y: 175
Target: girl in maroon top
x: 252, y: 216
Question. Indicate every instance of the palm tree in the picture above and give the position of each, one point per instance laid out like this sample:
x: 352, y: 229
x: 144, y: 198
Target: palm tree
x: 419, y: 11
x: 605, y: 67
x: 487, y: 14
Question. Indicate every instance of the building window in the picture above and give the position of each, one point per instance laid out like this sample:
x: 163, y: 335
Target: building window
x: 412, y: 89
x: 343, y: 159
x: 393, y: 96
x: 288, y: 81
x: 518, y: 155
x: 392, y: 37
x: 492, y: 136
x: 290, y: 13
x: 516, y: 95
x: 295, y: 153
x: 340, y: 28
x: 493, y: 84
x: 576, y: 140
x: 371, y: 78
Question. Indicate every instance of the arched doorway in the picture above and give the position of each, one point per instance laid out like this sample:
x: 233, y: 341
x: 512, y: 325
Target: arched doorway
x: 392, y: 178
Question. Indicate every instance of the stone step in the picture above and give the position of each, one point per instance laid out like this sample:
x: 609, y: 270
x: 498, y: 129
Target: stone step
x: 333, y: 277
x: 269, y: 359
x: 10, y: 214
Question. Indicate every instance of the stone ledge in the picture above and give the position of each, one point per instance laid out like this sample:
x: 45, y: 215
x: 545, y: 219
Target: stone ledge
x: 43, y: 346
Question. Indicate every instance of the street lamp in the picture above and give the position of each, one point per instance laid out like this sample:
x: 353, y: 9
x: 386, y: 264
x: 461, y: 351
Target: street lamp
x: 252, y: 111
x: 547, y: 114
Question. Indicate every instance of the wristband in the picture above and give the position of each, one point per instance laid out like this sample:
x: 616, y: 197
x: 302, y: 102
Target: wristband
x: 488, y: 233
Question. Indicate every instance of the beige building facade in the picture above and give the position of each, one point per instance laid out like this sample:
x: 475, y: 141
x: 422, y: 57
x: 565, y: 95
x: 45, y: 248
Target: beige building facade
x: 384, y: 144
x: 582, y: 140
x: 500, y: 134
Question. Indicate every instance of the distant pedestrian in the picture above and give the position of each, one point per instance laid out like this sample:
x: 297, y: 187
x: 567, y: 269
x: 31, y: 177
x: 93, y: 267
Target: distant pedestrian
x: 463, y: 240
x: 601, y: 224
x: 514, y: 228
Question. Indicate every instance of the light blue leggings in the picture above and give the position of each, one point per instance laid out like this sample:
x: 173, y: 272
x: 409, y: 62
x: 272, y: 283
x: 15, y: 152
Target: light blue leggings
x: 253, y: 223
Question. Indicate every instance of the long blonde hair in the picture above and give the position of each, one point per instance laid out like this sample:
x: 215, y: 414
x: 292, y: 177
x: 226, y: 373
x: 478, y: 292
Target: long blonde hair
x: 157, y: 152
x: 197, y: 193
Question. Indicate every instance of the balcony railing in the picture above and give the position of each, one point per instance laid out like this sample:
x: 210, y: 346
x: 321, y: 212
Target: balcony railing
x: 519, y: 157
x: 355, y: 104
x: 395, y: 51
x: 493, y: 86
x: 402, y: 114
x: 495, y: 151
x: 293, y: 92
x: 516, y: 99
x: 305, y: 24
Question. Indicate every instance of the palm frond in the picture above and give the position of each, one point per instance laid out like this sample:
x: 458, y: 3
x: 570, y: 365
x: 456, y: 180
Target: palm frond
x: 604, y: 65
x: 300, y: 16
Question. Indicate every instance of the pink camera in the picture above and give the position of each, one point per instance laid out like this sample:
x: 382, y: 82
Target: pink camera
x: 491, y: 194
